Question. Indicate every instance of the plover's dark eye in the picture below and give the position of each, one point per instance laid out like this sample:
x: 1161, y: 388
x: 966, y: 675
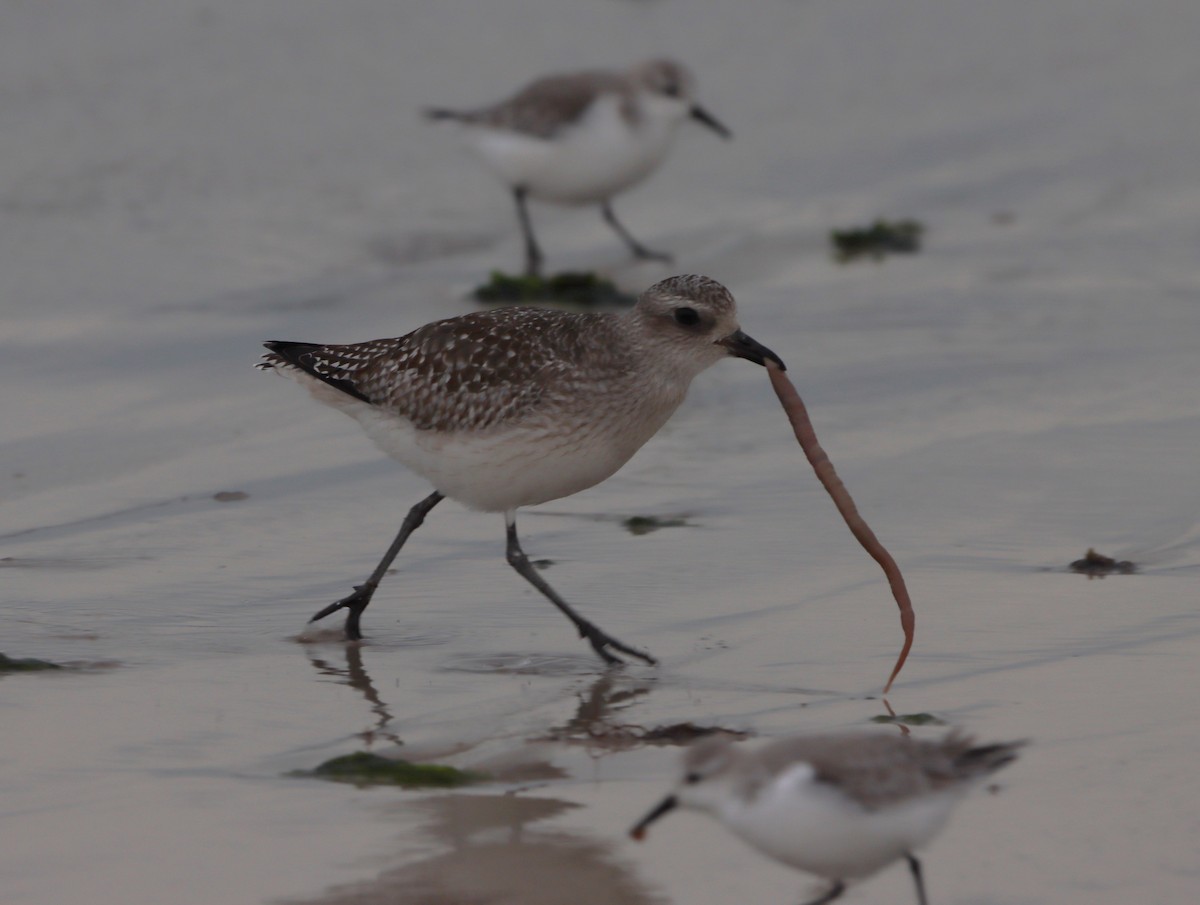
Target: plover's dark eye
x: 671, y: 89
x: 692, y: 778
x: 686, y: 317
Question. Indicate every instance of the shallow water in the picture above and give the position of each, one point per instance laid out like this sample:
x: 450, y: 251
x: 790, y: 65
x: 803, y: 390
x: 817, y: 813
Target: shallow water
x: 183, y: 180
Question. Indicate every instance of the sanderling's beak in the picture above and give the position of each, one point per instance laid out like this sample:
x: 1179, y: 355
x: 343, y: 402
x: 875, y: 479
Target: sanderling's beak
x: 699, y: 114
x: 667, y: 804
x: 741, y: 345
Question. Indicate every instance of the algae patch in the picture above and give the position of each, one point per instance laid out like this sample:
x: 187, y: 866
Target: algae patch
x: 582, y: 289
x: 877, y: 241
x: 364, y: 769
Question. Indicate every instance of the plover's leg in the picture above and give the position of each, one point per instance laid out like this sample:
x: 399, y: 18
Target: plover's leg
x: 832, y: 893
x: 599, y: 640
x: 357, y: 602
x: 639, y: 250
x: 915, y: 866
x: 533, y: 254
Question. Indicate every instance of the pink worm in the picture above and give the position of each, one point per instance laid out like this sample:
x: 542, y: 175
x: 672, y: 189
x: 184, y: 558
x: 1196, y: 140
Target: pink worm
x: 797, y: 414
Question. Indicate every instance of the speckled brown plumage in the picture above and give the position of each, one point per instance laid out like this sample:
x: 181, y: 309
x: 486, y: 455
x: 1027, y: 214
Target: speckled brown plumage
x: 466, y: 373
x: 500, y: 367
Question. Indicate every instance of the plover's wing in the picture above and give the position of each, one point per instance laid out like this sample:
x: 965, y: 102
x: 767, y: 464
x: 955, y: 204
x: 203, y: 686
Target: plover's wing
x: 472, y: 372
x: 546, y: 106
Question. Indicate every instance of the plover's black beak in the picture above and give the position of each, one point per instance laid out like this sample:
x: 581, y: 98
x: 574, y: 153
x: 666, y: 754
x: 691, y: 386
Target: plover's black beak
x: 741, y: 345
x: 667, y: 804
x: 701, y: 115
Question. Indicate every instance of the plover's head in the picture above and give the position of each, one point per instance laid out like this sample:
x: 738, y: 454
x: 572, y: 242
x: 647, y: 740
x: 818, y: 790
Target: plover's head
x: 692, y: 321
x: 671, y: 91
x: 710, y: 782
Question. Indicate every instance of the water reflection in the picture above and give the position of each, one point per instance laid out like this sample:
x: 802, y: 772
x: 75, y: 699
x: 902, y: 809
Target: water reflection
x: 598, y: 721
x: 599, y: 708
x: 494, y: 853
x: 598, y: 724
x: 355, y: 674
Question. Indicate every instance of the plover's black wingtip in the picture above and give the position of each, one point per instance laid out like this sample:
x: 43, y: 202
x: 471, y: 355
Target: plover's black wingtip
x: 271, y: 359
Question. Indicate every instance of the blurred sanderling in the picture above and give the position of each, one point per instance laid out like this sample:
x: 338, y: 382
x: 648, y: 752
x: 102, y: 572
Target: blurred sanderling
x: 838, y: 806
x: 582, y: 138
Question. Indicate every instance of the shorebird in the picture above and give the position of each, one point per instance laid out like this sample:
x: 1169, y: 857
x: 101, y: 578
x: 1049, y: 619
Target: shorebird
x: 582, y: 138
x: 517, y: 406
x: 838, y: 806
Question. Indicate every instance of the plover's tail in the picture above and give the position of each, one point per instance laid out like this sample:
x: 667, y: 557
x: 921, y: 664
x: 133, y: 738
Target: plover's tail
x: 324, y: 363
x: 284, y: 355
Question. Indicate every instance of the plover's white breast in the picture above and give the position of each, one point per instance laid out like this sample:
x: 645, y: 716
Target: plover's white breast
x: 552, y: 453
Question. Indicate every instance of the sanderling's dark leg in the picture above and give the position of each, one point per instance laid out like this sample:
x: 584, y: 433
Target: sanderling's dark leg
x: 834, y: 892
x: 915, y: 866
x: 533, y: 254
x: 639, y: 250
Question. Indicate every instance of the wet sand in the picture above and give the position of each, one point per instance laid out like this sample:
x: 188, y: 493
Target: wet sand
x: 183, y: 180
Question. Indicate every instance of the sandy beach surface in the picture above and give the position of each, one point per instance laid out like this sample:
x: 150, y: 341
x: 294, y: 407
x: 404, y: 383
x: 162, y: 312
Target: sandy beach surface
x: 182, y: 179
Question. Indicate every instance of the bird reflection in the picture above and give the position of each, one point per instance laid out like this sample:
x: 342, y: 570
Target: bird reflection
x: 496, y: 854
x: 597, y: 722
x: 355, y: 674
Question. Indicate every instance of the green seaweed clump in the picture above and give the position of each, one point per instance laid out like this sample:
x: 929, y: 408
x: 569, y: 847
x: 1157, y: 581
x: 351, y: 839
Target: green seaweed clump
x: 364, y: 769
x: 877, y: 241
x: 11, y: 664
x: 910, y: 719
x: 569, y: 288
x: 643, y: 524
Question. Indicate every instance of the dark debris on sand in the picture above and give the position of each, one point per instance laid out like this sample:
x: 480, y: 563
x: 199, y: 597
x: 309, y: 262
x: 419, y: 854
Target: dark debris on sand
x: 626, y: 737
x: 1096, y: 565
x: 638, y: 525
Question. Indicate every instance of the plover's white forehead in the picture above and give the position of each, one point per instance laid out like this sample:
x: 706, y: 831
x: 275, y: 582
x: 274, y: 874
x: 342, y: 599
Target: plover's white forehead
x: 666, y: 77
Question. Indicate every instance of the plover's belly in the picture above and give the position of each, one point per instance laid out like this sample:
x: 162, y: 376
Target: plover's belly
x: 828, y: 835
x: 584, y: 164
x: 506, y: 468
